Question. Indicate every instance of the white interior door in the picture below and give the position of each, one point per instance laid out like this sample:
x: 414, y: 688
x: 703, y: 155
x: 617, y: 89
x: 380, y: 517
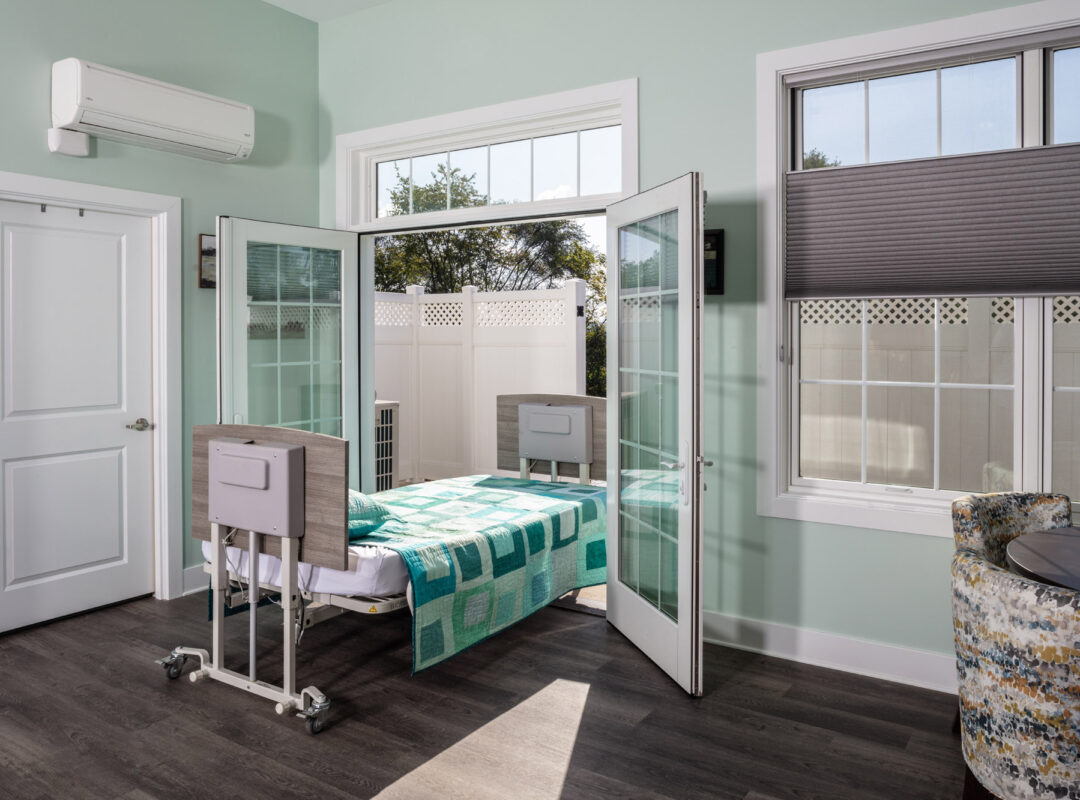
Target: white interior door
x: 289, y: 332
x: 75, y: 364
x: 655, y: 256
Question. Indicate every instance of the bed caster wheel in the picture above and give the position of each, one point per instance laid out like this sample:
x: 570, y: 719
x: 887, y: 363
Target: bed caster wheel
x: 174, y: 666
x: 315, y: 714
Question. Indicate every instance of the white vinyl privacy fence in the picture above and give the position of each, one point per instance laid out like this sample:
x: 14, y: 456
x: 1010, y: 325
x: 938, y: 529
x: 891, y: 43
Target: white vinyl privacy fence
x: 446, y: 357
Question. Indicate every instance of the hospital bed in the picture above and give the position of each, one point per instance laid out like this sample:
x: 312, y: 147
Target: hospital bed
x: 321, y: 573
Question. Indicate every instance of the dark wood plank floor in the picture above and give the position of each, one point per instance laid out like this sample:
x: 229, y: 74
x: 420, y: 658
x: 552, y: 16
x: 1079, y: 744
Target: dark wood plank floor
x: 84, y: 712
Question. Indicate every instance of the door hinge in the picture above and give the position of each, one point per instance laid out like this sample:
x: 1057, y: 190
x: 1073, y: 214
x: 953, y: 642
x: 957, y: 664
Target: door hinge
x: 780, y: 354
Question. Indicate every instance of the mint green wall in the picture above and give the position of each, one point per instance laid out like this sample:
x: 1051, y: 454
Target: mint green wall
x: 695, y: 62
x: 244, y: 50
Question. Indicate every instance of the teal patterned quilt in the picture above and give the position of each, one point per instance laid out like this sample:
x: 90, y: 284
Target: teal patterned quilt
x: 484, y: 552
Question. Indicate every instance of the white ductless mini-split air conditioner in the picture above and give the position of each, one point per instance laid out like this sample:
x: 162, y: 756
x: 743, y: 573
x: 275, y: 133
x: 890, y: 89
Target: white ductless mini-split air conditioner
x: 106, y: 102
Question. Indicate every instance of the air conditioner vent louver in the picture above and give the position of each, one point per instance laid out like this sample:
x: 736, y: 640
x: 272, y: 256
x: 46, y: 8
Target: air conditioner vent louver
x: 129, y: 108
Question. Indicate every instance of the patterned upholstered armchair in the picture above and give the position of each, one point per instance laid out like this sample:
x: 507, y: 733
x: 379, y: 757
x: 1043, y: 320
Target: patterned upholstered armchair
x: 1017, y: 652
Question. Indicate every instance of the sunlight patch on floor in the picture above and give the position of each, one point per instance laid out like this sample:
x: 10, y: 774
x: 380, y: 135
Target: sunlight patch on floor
x: 523, y: 753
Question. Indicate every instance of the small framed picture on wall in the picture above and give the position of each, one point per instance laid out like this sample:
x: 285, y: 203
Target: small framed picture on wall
x: 207, y: 261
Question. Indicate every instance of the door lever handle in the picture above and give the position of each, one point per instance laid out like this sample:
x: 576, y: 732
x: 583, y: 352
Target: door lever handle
x: 141, y: 424
x: 672, y: 464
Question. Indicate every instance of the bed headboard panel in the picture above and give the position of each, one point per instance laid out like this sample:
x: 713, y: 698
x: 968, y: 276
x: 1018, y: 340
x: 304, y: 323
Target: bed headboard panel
x: 506, y: 413
x: 326, y: 490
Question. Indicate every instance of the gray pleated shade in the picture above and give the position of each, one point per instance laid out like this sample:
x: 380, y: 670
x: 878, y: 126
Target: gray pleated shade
x: 1002, y: 223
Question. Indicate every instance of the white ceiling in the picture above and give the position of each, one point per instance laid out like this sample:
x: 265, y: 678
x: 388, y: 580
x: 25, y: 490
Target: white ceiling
x: 323, y: 10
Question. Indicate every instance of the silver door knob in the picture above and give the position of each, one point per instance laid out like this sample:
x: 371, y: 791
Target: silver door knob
x: 141, y: 424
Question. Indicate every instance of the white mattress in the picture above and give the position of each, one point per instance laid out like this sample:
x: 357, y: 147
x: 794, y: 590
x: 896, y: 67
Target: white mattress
x: 374, y: 571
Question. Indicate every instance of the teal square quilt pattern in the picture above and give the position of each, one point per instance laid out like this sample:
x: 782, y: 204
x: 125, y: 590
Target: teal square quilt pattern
x: 484, y: 552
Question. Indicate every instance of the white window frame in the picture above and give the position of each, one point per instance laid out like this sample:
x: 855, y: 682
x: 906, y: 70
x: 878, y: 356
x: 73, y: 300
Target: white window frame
x: 861, y: 505
x: 358, y: 153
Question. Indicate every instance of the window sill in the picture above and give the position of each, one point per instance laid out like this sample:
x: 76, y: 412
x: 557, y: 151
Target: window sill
x: 924, y: 516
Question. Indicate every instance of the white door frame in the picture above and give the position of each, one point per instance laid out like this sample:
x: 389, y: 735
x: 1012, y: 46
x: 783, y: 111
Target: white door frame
x: 166, y: 265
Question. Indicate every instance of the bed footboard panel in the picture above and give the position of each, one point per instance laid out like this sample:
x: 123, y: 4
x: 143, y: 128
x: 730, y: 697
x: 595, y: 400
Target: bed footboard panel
x: 326, y: 489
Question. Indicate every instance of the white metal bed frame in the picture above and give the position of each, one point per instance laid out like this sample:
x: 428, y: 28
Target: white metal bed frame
x: 309, y: 703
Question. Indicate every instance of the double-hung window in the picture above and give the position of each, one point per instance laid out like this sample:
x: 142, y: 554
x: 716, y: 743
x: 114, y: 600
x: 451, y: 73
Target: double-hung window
x: 921, y: 264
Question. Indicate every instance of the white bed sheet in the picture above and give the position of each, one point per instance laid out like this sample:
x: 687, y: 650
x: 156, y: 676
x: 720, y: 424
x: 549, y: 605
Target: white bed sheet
x: 374, y: 571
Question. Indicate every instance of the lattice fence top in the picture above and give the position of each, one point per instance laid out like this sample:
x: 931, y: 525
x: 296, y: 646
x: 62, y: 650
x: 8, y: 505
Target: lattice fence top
x: 901, y: 311
x: 639, y: 308
x: 293, y: 321
x: 441, y: 314
x: 520, y: 314
x: 395, y: 315
x: 325, y: 319
x: 1066, y: 309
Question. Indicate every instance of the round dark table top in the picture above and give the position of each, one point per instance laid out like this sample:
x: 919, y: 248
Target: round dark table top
x: 1051, y: 556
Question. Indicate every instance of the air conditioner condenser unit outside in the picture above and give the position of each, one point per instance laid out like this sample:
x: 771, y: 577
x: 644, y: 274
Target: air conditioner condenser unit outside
x: 125, y: 107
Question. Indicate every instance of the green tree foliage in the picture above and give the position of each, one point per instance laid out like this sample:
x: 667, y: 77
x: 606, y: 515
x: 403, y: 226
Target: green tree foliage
x: 534, y: 255
x: 815, y: 159
x: 596, y: 334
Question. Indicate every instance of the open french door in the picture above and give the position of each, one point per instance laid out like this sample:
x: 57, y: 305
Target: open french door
x: 290, y: 331
x: 655, y: 254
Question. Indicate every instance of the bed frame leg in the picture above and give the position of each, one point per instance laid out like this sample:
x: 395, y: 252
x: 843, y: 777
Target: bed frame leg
x: 289, y: 569
x: 584, y: 474
x: 310, y: 704
x: 219, y: 581
x: 524, y: 463
x: 253, y: 600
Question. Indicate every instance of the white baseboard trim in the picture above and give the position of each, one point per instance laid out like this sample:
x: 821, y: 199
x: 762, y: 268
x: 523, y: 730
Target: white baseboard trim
x: 862, y: 656
x: 195, y: 579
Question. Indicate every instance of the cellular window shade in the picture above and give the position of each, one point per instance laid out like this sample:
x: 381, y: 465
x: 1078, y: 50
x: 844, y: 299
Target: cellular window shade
x: 997, y: 223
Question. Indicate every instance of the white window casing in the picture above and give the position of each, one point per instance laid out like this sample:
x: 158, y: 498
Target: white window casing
x: 359, y: 152
x: 1027, y: 28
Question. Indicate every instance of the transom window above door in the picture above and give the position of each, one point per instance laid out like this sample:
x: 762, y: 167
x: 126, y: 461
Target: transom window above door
x: 574, y: 164
x: 568, y: 153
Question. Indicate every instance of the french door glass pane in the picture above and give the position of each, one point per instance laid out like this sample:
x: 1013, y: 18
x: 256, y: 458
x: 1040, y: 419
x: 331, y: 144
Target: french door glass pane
x: 648, y: 425
x: 1065, y: 444
x: 1066, y: 99
x: 294, y: 337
